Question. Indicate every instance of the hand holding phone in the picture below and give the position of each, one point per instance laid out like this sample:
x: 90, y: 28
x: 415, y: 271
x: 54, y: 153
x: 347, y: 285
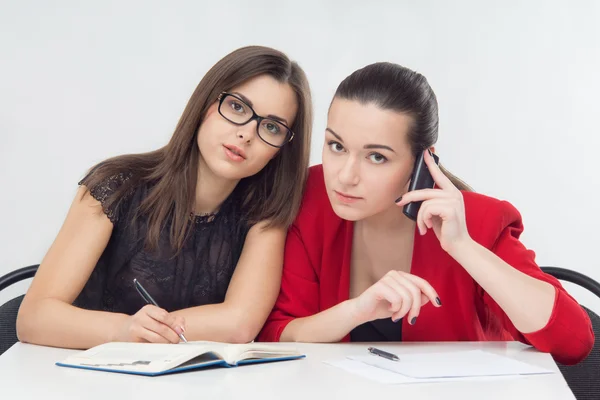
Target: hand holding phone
x: 420, y: 179
x: 435, y: 203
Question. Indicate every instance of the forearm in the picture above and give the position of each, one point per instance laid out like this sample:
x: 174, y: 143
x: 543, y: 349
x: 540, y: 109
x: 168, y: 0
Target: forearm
x: 222, y: 323
x: 325, y: 327
x: 527, y: 301
x: 51, y: 322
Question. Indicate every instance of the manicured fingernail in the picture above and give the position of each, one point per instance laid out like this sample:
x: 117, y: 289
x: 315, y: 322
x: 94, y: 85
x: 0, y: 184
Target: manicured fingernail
x: 438, y: 301
x: 413, y: 320
x: 398, y: 199
x: 396, y: 320
x: 182, y: 329
x: 430, y: 153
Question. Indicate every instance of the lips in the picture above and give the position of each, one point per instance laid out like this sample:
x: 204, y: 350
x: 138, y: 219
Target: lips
x: 235, y: 150
x: 346, y: 198
x: 347, y: 195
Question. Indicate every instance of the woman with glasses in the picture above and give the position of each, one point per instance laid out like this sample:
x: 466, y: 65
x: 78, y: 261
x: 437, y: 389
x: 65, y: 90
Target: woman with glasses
x: 184, y: 242
x: 358, y: 269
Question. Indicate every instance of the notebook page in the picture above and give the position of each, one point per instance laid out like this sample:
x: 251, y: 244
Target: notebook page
x: 239, y: 352
x: 144, y: 357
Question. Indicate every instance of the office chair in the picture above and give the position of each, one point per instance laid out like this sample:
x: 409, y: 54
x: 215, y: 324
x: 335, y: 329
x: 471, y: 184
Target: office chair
x: 10, y: 309
x: 583, y: 378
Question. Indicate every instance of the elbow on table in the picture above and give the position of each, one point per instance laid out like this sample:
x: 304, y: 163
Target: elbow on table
x: 243, y: 332
x: 578, y: 353
x: 244, y: 328
x: 25, y: 326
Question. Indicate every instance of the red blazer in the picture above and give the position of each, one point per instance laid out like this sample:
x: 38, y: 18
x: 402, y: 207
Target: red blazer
x: 316, y: 277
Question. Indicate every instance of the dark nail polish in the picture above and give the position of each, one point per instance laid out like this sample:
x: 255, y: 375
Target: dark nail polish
x: 412, y: 321
x: 396, y: 320
x: 431, y: 154
x: 438, y: 301
x: 398, y: 199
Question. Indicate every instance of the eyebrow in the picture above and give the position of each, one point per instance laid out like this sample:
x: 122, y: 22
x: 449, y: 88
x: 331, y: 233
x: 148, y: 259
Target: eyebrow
x: 366, y: 146
x: 271, y: 116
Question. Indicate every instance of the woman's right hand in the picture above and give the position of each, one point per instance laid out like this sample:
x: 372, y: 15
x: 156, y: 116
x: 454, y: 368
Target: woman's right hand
x: 151, y: 324
x: 394, y: 295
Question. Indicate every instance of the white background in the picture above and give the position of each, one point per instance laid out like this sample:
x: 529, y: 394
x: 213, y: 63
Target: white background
x: 517, y: 84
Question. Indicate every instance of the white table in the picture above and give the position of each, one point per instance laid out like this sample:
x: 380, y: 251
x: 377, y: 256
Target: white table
x: 28, y: 372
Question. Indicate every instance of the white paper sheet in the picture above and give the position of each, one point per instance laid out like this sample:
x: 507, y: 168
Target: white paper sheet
x: 437, y: 367
x: 458, y: 364
x: 370, y: 372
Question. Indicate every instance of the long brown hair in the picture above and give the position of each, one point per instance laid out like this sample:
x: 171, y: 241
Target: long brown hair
x: 274, y: 194
x: 397, y: 88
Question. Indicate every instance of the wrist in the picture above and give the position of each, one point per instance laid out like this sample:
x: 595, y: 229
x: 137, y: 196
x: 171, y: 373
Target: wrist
x: 462, y: 249
x: 352, y: 313
x: 115, y: 329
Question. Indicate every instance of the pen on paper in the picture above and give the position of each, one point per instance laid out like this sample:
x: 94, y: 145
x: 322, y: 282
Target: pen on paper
x: 384, y: 354
x: 146, y: 296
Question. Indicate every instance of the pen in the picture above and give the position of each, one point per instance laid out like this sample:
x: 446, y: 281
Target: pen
x: 146, y: 296
x: 383, y: 354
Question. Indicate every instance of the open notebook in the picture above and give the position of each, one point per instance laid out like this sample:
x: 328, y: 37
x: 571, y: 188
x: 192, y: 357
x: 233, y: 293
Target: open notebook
x: 153, y: 359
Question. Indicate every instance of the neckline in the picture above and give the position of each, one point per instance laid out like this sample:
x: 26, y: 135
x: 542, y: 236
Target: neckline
x: 204, y: 218
x: 211, y: 216
x: 344, y: 287
x: 344, y: 291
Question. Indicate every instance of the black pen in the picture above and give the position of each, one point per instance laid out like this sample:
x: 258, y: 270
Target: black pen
x: 146, y: 296
x: 384, y: 354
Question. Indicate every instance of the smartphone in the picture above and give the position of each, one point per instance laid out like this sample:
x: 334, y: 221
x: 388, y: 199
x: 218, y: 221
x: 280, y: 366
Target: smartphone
x: 420, y: 179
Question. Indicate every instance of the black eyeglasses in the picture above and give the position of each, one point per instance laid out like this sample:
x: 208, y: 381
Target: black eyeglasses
x: 237, y: 111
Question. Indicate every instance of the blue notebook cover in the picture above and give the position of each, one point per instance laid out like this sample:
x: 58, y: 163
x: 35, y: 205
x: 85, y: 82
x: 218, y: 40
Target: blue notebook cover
x: 117, y: 357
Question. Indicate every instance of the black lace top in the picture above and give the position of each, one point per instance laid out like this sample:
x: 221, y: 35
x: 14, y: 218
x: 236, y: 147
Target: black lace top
x: 198, y: 275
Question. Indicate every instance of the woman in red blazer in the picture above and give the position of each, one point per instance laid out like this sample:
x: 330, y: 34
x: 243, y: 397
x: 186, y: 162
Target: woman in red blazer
x: 357, y: 269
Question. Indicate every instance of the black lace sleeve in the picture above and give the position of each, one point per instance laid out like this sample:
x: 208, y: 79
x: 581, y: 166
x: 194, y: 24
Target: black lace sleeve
x: 104, y: 191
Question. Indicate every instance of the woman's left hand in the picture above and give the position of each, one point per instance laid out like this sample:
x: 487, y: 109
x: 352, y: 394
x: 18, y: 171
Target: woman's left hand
x: 442, y: 210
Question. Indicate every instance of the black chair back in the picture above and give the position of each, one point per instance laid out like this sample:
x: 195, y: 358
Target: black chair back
x: 8, y: 323
x: 583, y: 378
x: 9, y: 310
